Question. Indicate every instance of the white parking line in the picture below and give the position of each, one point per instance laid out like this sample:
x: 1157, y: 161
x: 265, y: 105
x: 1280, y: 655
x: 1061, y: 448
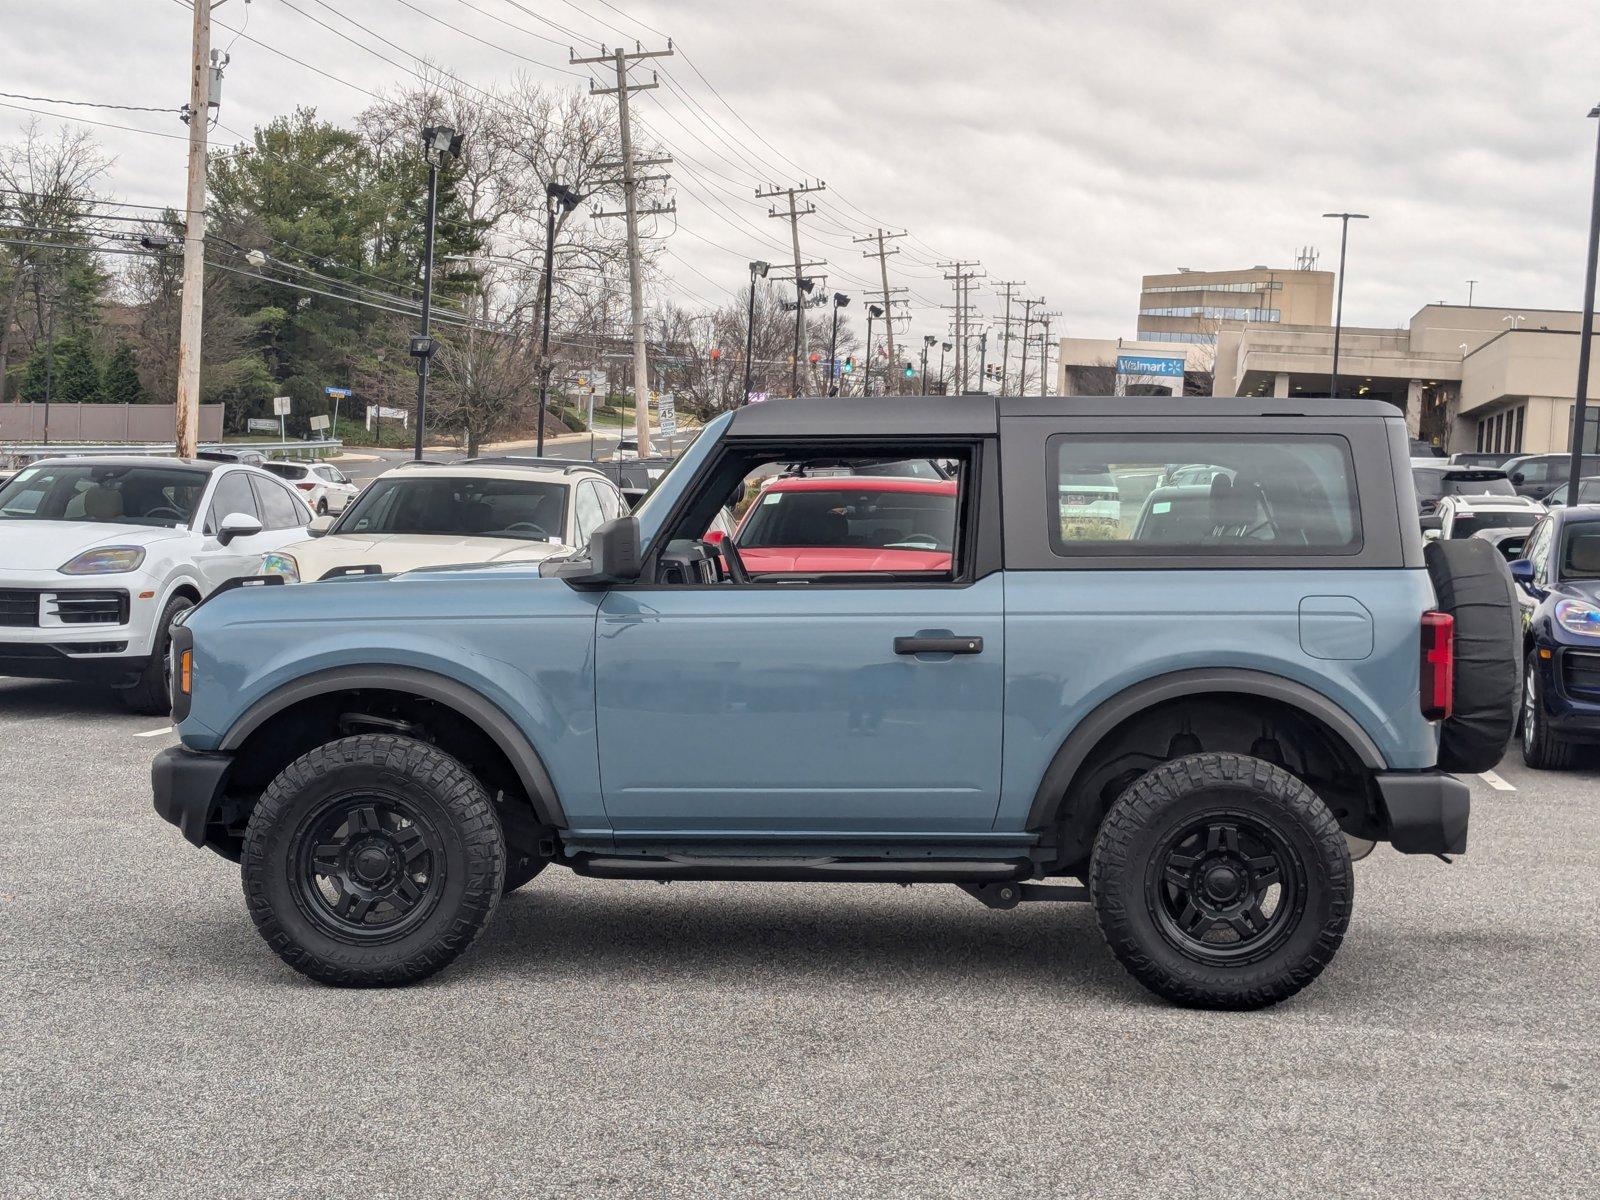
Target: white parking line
x: 1494, y: 781
x: 158, y: 732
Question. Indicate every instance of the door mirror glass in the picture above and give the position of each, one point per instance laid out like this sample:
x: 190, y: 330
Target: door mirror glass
x: 237, y: 525
x: 319, y: 526
x: 613, y: 557
x: 1522, y: 571
x: 1518, y: 479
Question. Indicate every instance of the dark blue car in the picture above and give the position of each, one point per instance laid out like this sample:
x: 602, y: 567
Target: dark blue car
x: 1559, y: 581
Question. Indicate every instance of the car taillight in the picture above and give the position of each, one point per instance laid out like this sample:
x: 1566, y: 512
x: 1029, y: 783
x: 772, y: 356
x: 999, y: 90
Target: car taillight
x: 1438, y: 665
x: 306, y: 487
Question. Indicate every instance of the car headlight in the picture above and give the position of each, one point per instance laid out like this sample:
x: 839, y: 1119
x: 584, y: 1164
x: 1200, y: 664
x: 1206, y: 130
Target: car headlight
x: 107, y: 560
x: 1579, y: 617
x: 281, y: 564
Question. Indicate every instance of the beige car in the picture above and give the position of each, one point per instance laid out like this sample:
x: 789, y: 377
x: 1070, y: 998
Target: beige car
x: 436, y: 515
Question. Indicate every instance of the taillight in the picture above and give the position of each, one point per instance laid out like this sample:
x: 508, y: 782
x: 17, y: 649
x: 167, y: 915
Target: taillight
x: 1438, y: 665
x: 306, y: 487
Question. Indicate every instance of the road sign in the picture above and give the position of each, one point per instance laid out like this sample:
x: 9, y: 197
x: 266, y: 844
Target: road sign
x: 375, y: 411
x: 282, y: 406
x: 341, y: 393
x: 264, y: 424
x: 667, y: 411
x: 319, y: 423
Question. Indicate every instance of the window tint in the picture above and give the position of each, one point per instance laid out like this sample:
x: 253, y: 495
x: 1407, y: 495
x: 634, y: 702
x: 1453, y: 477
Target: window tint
x: 233, y: 495
x: 105, y: 493
x: 520, y: 509
x: 1477, y: 483
x: 279, y: 508
x: 1535, y: 549
x: 1156, y: 494
x: 1467, y: 524
x: 286, y: 470
x: 1580, y: 553
x: 1535, y: 470
x: 328, y: 474
x: 587, y: 513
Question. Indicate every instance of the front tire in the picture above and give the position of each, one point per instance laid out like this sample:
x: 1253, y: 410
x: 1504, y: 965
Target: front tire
x: 151, y: 694
x: 1542, y: 749
x: 1221, y: 881
x: 373, y: 861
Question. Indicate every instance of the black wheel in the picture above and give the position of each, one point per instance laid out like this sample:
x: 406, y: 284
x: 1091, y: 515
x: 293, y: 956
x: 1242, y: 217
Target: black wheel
x: 152, y: 693
x: 520, y: 869
x: 322, y: 507
x: 1541, y: 747
x: 1221, y: 881
x: 372, y: 861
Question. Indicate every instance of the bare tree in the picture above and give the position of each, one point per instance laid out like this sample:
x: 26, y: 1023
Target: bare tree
x: 485, y: 383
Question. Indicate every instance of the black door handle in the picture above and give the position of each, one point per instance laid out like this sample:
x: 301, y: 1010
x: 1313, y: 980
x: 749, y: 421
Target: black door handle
x: 938, y: 645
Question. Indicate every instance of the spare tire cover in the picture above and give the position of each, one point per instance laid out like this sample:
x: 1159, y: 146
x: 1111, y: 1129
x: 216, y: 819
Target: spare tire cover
x: 1474, y: 585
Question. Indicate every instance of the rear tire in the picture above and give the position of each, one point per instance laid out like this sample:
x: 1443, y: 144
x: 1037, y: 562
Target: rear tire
x: 1542, y: 748
x: 372, y: 861
x: 152, y: 694
x: 1221, y: 881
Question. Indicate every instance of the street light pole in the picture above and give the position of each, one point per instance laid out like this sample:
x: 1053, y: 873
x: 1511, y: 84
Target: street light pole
x: 839, y: 301
x: 761, y: 269
x: 1581, y: 398
x: 944, y: 388
x: 1344, y: 219
x: 554, y: 193
x: 927, y: 344
x: 866, y: 368
x: 437, y: 141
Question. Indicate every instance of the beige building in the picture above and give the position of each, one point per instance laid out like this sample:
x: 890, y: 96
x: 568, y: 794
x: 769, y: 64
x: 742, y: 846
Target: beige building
x: 1187, y: 306
x: 1467, y: 378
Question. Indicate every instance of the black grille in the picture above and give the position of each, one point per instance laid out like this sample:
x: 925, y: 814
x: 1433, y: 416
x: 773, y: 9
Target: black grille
x: 90, y: 608
x: 19, y: 609
x: 1581, y: 672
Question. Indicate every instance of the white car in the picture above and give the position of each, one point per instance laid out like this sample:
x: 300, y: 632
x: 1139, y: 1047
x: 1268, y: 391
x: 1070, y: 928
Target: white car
x: 98, y: 556
x: 1463, y: 516
x: 451, y: 514
x: 323, y: 487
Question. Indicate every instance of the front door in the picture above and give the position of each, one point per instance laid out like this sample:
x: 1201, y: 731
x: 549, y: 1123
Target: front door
x: 847, y: 678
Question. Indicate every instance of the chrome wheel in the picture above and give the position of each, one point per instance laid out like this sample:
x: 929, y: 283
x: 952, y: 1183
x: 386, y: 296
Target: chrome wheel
x: 1530, y: 707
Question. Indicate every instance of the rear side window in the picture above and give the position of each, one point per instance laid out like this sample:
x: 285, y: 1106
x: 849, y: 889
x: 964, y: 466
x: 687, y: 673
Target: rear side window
x: 279, y: 507
x: 1155, y: 494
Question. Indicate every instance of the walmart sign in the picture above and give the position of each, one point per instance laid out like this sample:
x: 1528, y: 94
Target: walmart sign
x: 1145, y: 364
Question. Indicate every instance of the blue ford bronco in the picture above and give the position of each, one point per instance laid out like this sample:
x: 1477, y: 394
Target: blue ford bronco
x: 1181, y: 659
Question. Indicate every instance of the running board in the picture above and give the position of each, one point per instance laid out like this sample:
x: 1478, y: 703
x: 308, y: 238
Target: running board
x: 799, y: 870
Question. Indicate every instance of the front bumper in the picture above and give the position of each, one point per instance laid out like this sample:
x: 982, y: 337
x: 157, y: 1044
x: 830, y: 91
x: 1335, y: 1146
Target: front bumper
x: 1571, y: 678
x: 188, y: 786
x: 1425, y: 812
x: 106, y: 661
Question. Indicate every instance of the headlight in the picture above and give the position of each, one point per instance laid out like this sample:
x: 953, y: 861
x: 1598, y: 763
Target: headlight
x: 1576, y: 616
x: 281, y: 564
x: 107, y: 560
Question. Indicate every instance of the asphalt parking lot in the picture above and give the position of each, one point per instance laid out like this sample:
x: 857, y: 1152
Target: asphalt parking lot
x: 721, y: 1039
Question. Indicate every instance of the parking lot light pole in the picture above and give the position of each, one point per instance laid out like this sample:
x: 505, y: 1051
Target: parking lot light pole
x: 437, y: 141
x: 839, y: 301
x: 1344, y: 219
x: 761, y: 269
x: 1581, y: 396
x: 555, y: 193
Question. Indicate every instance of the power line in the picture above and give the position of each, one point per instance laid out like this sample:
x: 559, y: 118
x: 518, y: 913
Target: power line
x: 86, y: 121
x: 90, y: 103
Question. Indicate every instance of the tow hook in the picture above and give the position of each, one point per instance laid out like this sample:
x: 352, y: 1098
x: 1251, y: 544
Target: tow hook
x: 1010, y: 894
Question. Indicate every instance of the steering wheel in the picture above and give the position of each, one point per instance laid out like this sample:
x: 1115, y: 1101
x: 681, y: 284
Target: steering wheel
x: 164, y: 511
x: 733, y: 561
x: 539, y: 530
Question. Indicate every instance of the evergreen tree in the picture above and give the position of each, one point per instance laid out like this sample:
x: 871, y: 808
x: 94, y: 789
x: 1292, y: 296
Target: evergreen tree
x: 120, y: 383
x: 72, y: 380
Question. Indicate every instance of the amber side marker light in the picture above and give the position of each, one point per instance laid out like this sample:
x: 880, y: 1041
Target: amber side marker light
x: 185, y: 671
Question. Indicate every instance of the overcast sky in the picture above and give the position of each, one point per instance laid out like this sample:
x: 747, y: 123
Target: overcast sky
x: 1074, y: 144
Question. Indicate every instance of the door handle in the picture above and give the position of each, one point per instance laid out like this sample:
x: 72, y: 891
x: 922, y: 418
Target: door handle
x: 938, y: 645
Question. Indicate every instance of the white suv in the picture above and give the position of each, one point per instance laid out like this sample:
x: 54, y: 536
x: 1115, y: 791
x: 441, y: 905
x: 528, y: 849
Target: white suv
x: 323, y: 487
x: 450, y: 514
x: 98, y: 556
x: 1464, y: 516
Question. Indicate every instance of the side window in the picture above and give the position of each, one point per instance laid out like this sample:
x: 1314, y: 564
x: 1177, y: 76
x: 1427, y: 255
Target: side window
x: 1159, y: 494
x: 1537, y: 552
x: 279, y: 507
x: 233, y: 495
x: 611, y: 503
x: 1535, y: 470
x: 586, y: 512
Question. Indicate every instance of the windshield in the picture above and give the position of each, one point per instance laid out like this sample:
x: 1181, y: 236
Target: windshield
x: 104, y: 494
x: 852, y: 517
x: 459, y: 506
x: 1467, y: 524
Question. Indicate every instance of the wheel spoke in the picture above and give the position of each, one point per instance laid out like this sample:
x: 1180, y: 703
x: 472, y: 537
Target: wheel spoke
x: 406, y: 892
x: 1213, y: 839
x: 1264, y: 871
x: 410, y: 843
x: 363, y: 819
x: 1191, y: 918
x: 1230, y: 839
x: 1249, y: 923
x: 326, y: 859
x: 1178, y: 876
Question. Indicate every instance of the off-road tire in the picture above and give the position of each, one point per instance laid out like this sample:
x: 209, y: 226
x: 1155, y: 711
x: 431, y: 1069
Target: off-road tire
x: 1128, y: 868
x: 152, y: 694
x: 442, y: 792
x: 520, y: 869
x: 1542, y: 748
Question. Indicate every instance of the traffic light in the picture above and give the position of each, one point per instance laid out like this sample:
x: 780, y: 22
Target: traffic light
x: 715, y: 354
x: 911, y: 372
x: 849, y: 364
x: 815, y: 358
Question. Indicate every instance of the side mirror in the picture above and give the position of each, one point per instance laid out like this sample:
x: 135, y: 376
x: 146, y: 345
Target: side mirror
x: 1518, y: 479
x: 1432, y: 535
x: 714, y: 536
x: 614, y: 557
x: 1522, y: 571
x: 319, y: 526
x: 237, y: 525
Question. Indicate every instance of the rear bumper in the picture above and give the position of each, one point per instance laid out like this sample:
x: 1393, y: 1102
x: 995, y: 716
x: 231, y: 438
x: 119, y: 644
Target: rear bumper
x: 84, y: 662
x: 1425, y: 812
x: 188, y: 788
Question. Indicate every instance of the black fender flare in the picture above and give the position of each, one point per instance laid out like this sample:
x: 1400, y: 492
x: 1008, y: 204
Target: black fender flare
x: 469, y: 703
x: 1131, y: 701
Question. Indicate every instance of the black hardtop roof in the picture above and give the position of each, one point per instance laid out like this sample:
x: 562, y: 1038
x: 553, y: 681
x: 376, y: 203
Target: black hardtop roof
x: 975, y: 416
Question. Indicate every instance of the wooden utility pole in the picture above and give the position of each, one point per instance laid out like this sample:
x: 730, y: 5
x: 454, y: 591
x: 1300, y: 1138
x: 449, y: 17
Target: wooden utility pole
x: 793, y: 215
x: 1005, y: 331
x: 888, y: 294
x: 619, y: 59
x: 1044, y: 352
x: 1022, y: 372
x: 190, y: 322
x: 963, y: 279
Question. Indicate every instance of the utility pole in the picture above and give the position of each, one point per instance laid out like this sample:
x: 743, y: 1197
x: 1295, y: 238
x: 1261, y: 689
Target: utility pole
x: 882, y: 255
x: 1044, y: 353
x: 1022, y: 372
x: 963, y: 280
x: 1005, y: 334
x: 198, y: 115
x: 619, y: 60
x: 793, y: 216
